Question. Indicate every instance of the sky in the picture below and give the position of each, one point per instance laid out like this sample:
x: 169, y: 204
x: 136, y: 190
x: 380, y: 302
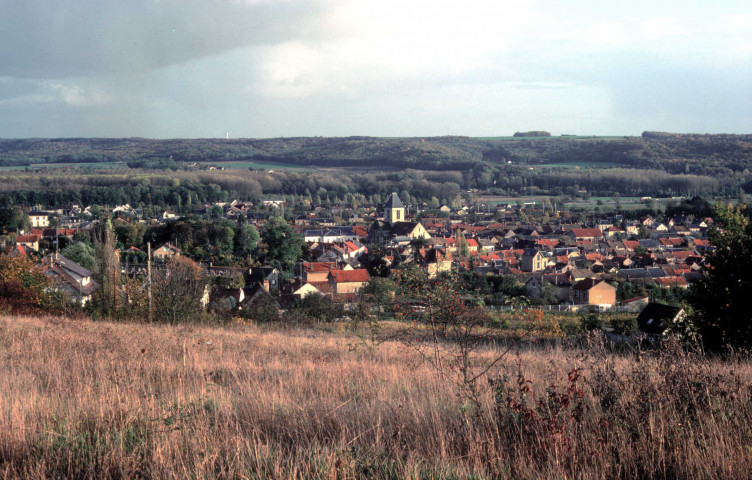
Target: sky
x: 283, y: 68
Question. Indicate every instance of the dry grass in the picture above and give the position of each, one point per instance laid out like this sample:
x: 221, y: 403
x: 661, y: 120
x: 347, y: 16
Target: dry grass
x: 80, y: 399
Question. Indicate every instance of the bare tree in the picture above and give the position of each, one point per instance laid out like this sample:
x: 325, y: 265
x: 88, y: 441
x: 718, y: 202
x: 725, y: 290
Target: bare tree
x: 107, y: 269
x: 449, y: 331
x: 177, y: 291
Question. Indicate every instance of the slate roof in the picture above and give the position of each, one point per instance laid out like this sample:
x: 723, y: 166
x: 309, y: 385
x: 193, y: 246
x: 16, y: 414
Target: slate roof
x: 655, y: 317
x: 394, y: 201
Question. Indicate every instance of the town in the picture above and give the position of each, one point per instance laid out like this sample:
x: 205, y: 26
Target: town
x: 268, y: 255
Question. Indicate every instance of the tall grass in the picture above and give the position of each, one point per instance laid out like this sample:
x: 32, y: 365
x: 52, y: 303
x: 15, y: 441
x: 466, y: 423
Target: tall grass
x: 80, y: 399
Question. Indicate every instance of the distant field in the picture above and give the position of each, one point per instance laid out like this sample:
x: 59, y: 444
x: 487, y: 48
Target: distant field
x: 554, y: 137
x: 92, y: 165
x: 244, y: 165
x: 578, y: 165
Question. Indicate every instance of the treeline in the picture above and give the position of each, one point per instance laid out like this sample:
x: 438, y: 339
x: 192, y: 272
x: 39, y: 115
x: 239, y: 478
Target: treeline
x: 189, y: 190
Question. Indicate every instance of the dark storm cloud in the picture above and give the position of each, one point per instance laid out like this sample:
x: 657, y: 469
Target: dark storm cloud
x: 59, y: 39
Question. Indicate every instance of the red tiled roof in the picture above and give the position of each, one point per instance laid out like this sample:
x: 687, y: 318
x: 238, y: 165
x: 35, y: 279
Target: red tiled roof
x: 587, y: 232
x: 359, y: 275
x: 27, y: 239
x: 319, y: 266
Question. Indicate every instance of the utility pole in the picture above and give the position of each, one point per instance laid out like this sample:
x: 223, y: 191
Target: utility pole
x: 148, y: 277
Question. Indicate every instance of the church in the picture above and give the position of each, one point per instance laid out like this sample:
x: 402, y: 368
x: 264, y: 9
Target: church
x: 394, y: 228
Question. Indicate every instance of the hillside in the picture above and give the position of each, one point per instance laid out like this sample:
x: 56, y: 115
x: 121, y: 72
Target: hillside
x: 673, y: 153
x: 83, y: 399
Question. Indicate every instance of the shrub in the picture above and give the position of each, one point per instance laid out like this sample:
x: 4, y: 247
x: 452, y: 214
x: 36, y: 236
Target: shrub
x: 624, y: 325
x: 319, y: 308
x: 592, y: 321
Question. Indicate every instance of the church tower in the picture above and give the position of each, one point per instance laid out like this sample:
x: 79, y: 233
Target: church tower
x: 394, y: 210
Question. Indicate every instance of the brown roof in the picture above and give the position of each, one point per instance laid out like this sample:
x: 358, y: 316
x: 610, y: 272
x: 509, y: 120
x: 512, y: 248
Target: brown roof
x: 587, y: 232
x: 588, y: 283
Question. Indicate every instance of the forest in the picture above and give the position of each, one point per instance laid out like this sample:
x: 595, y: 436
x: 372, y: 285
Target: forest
x: 163, y: 172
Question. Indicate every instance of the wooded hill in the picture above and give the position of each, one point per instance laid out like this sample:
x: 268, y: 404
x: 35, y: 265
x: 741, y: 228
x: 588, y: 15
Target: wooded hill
x: 711, y: 155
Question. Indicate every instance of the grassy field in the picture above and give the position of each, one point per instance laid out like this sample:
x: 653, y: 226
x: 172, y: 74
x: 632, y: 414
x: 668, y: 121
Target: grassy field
x: 80, y: 399
x: 244, y: 165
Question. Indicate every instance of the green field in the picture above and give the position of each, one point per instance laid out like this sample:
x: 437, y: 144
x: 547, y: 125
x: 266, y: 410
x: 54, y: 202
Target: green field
x: 578, y: 165
x: 244, y: 165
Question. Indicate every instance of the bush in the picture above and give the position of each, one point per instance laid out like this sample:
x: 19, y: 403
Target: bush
x: 624, y: 325
x: 319, y: 307
x: 592, y: 321
x: 570, y: 325
x: 24, y: 288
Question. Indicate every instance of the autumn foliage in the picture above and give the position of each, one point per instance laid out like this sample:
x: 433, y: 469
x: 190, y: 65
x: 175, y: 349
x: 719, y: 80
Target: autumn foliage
x: 24, y: 288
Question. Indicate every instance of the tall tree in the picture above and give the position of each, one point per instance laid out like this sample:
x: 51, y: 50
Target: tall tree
x: 178, y: 289
x: 722, y: 300
x: 107, y: 269
x: 245, y: 241
x: 284, y: 246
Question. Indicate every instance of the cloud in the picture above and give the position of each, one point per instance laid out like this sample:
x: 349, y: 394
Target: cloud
x: 52, y: 39
x: 79, y: 97
x: 165, y: 68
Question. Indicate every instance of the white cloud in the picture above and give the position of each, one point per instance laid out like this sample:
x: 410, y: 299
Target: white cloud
x: 79, y: 97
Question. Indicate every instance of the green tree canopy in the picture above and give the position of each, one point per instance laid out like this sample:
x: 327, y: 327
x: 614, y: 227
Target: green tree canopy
x: 246, y: 240
x: 284, y: 246
x: 722, y: 300
x: 81, y: 253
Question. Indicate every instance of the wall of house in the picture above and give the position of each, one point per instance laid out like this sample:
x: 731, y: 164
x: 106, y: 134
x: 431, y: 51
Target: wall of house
x: 347, y: 287
x: 433, y: 269
x: 602, y: 294
x: 317, y: 276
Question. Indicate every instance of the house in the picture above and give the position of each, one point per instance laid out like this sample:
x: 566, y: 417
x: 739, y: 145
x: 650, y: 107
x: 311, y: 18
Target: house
x: 590, y: 234
x: 381, y: 232
x: 591, y: 291
x: 70, y: 277
x: 166, y: 251
x: 533, y: 261
x: 258, y: 304
x: 655, y: 318
x: 332, y: 235
x: 304, y: 290
x: 266, y: 276
x: 562, y: 286
x: 274, y: 202
x: 39, y: 219
x: 316, y: 271
x: 347, y: 281
x: 29, y: 241
x: 634, y: 304
x: 435, y: 261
